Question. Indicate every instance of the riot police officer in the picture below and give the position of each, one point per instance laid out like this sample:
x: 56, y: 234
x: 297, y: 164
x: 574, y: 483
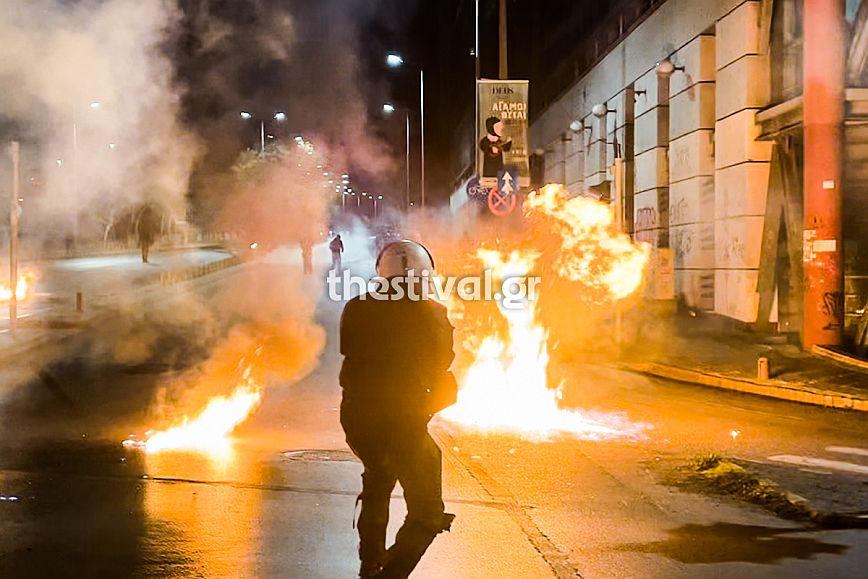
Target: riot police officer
x: 395, y: 377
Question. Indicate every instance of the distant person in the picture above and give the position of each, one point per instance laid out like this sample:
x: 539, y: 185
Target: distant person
x: 337, y: 248
x: 147, y: 228
x: 391, y: 389
x: 307, y: 254
x: 493, y: 146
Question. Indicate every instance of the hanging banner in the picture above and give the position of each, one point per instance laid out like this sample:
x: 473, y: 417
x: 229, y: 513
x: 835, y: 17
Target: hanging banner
x: 502, y: 127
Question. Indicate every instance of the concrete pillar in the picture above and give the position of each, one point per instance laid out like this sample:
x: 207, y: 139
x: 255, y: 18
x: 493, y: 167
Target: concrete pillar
x: 596, y: 172
x: 741, y: 162
x: 555, y: 159
x: 691, y: 171
x: 574, y: 162
x: 651, y: 163
x: 619, y: 128
x: 824, y: 63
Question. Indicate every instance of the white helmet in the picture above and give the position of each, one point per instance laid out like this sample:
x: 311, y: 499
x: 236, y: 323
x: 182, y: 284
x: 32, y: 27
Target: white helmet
x: 399, y: 257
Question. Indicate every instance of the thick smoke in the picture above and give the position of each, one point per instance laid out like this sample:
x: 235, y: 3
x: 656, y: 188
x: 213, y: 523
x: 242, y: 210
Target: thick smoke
x: 161, y: 71
x: 300, y: 58
x: 89, y: 88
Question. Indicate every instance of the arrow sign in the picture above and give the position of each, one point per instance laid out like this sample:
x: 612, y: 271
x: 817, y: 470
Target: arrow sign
x: 507, y: 187
x: 503, y: 199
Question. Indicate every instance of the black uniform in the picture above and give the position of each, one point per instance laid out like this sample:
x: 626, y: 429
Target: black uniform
x: 394, y: 378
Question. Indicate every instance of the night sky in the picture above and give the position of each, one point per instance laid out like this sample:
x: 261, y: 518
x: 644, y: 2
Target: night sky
x: 323, y: 63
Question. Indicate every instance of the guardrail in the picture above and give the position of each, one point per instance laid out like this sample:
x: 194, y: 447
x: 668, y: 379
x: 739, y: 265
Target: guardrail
x: 196, y: 271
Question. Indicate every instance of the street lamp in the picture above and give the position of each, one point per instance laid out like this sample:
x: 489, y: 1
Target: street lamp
x: 665, y: 68
x: 395, y: 60
x: 279, y: 116
x: 389, y: 108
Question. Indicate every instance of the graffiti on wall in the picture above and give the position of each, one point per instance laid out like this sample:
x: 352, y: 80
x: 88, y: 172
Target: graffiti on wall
x: 646, y: 218
x: 831, y: 308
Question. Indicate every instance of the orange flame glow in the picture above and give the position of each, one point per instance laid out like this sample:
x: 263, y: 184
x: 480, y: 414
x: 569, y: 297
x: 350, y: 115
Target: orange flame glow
x: 592, y: 252
x: 22, y: 290
x: 505, y: 388
x: 209, y: 431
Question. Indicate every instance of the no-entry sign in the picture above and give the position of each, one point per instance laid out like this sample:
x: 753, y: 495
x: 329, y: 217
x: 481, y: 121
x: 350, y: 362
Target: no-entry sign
x: 502, y: 199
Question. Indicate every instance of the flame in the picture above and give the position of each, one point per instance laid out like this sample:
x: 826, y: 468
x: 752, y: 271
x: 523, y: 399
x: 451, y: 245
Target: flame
x: 209, y: 431
x: 591, y: 251
x: 505, y: 388
x: 22, y: 290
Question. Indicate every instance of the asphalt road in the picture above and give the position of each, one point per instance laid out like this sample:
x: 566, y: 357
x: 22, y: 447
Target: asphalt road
x: 280, y: 504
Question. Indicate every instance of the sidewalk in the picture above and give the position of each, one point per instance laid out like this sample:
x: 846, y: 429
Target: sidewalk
x: 707, y: 351
x: 50, y: 313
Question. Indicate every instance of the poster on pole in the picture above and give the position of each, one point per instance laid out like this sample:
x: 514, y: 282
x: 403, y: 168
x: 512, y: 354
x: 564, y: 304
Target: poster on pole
x: 502, y: 127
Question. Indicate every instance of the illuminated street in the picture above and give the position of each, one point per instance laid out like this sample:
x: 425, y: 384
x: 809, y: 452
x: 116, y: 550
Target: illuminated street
x: 281, y: 503
x: 453, y: 289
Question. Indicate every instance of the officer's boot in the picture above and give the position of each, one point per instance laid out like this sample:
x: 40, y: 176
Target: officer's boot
x: 372, y: 524
x: 411, y: 542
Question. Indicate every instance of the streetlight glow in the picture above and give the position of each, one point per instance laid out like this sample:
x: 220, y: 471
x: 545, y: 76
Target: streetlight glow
x: 280, y: 116
x: 388, y: 108
x: 245, y: 115
x: 95, y: 105
x: 394, y: 60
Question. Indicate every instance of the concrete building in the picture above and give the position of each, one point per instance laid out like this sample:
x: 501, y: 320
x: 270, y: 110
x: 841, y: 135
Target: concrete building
x: 704, y: 99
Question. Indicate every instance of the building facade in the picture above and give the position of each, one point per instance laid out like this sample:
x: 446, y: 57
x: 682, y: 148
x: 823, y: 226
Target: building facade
x: 702, y: 101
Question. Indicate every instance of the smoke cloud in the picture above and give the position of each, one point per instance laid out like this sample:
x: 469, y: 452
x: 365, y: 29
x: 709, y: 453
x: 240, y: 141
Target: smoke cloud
x: 90, y: 89
x: 116, y: 101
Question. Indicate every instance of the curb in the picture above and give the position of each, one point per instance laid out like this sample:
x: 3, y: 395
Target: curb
x: 790, y: 391
x: 849, y: 361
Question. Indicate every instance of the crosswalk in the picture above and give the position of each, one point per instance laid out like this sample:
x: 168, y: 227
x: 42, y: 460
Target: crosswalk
x: 857, y: 462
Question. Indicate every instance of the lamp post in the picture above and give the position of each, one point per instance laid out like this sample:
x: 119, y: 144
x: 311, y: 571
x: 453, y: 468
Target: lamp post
x: 376, y: 199
x: 15, y: 152
x: 394, y: 61
x: 279, y: 116
x: 389, y: 108
x: 94, y: 106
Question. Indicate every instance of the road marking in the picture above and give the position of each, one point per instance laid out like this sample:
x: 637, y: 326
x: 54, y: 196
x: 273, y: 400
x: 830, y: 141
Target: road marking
x: 847, y: 450
x: 557, y: 560
x: 811, y: 461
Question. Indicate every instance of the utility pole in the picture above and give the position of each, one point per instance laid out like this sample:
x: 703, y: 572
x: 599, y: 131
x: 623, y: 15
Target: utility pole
x: 407, y: 162
x: 422, y: 127
x: 824, y: 72
x: 15, y: 151
x: 475, y: 148
x: 504, y: 70
x: 75, y: 223
x: 618, y: 178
